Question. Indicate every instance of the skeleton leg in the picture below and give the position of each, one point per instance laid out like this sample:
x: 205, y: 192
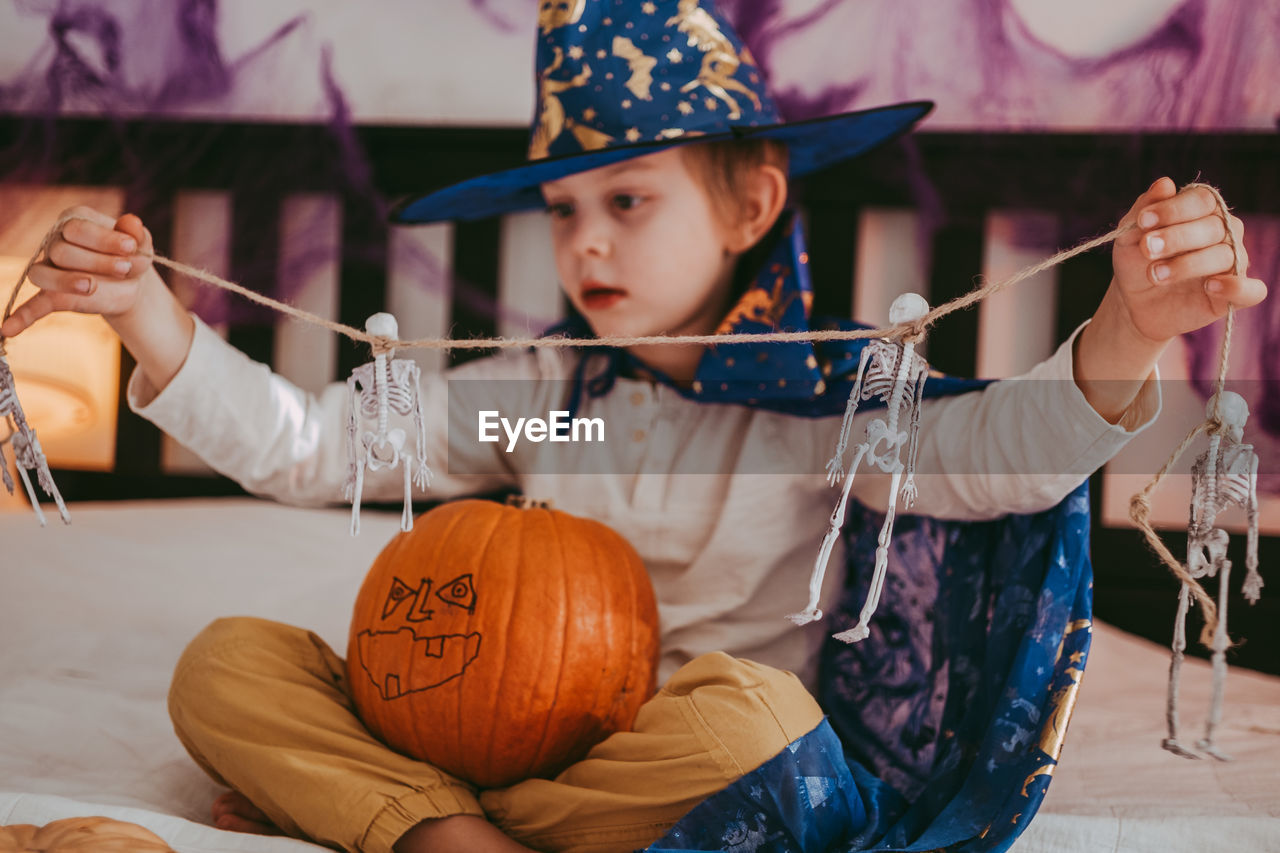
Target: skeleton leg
x: 28, y: 456
x: 406, y: 516
x: 353, y: 419
x: 355, y: 498
x: 4, y: 469
x: 862, y: 630
x: 1219, y: 669
x: 31, y: 493
x: 1171, y: 743
x: 811, y: 612
x: 423, y: 476
x: 45, y: 477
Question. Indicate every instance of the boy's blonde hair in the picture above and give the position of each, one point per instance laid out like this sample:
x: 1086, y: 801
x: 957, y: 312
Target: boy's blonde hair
x: 724, y: 167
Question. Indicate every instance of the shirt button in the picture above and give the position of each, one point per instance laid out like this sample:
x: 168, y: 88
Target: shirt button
x: 637, y: 398
x: 638, y: 435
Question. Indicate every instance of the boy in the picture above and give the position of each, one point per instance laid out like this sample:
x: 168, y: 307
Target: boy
x: 651, y: 235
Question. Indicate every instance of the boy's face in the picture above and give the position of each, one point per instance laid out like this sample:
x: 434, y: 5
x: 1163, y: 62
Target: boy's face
x: 639, y: 248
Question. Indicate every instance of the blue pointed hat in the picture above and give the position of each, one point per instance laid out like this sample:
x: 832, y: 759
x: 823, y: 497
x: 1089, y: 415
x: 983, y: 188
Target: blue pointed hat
x: 617, y: 79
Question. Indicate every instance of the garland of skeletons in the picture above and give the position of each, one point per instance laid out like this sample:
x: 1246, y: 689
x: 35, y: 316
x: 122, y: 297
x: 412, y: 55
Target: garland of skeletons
x: 890, y: 369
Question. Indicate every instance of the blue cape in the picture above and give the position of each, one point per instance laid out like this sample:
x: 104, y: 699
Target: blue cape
x: 944, y: 726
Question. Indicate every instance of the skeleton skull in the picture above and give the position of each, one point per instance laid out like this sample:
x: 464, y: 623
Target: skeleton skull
x: 908, y: 308
x: 1235, y: 412
x: 384, y: 326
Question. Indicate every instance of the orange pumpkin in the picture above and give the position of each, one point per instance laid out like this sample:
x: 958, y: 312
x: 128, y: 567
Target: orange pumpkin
x: 81, y: 835
x: 499, y: 643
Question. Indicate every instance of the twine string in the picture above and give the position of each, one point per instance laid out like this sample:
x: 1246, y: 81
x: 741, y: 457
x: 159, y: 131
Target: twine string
x: 1140, y: 504
x: 911, y: 331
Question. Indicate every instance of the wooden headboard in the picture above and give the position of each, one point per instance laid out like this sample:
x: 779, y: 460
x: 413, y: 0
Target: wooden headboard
x: 955, y: 181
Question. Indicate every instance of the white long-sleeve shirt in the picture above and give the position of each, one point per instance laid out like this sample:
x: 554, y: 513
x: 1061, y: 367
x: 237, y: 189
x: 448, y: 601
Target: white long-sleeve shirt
x: 726, y: 504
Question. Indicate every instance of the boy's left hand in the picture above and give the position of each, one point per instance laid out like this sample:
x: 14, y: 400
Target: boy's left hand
x: 1173, y: 273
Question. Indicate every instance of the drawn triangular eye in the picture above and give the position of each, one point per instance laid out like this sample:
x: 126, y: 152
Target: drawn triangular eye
x: 399, y: 594
x: 460, y: 592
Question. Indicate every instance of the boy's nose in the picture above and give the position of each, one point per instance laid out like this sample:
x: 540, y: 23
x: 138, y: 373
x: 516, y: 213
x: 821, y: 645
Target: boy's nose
x: 591, y: 238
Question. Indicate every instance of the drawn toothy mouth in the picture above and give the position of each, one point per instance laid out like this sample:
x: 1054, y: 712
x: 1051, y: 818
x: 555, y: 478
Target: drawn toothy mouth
x: 400, y: 662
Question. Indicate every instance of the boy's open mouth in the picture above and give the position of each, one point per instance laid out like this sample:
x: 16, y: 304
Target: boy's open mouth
x: 599, y: 295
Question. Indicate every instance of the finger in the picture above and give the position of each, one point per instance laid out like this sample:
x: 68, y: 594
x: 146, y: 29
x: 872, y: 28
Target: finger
x: 1189, y: 204
x: 1184, y: 237
x: 54, y: 280
x: 1223, y: 290
x: 131, y: 226
x: 1159, y: 190
x: 1214, y: 260
x: 71, y: 258
x: 81, y: 211
x: 28, y: 313
x: 99, y: 237
x: 1237, y: 237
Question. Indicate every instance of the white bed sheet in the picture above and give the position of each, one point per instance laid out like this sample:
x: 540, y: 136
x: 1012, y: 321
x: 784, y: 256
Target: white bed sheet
x: 93, y: 618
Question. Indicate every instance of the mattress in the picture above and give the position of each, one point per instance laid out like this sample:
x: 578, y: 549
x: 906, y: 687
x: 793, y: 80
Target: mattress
x: 93, y: 617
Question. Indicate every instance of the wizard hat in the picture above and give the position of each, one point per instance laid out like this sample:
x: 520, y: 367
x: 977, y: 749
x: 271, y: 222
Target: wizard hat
x: 618, y: 79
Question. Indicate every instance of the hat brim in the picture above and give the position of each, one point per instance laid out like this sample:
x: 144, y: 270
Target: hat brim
x: 812, y: 144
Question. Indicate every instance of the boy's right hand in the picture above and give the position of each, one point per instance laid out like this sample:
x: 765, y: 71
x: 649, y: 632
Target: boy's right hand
x: 92, y: 267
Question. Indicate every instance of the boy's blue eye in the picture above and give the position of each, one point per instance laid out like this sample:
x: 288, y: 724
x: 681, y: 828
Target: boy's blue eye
x: 627, y: 201
x: 560, y: 210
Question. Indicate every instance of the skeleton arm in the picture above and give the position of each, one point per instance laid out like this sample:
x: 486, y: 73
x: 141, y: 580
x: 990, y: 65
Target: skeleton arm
x: 1196, y: 527
x: 1252, y: 579
x: 423, y: 475
x: 835, y: 467
x: 4, y: 465
x: 909, y: 485
x: 353, y: 415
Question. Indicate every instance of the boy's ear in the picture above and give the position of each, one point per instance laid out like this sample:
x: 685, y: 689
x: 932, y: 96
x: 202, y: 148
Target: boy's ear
x: 764, y: 202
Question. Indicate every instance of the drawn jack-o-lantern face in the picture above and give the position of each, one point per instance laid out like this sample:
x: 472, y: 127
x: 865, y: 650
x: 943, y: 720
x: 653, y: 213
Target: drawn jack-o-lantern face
x: 420, y: 641
x: 501, y: 642
x: 557, y: 13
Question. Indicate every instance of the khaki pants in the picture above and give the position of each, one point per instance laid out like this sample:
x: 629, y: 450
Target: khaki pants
x: 263, y: 708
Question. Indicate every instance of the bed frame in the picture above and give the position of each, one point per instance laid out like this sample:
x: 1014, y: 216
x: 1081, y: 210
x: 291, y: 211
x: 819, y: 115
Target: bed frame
x: 957, y: 177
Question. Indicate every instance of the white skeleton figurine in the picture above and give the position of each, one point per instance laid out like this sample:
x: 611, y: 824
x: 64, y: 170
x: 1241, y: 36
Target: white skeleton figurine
x: 894, y: 372
x: 26, y: 448
x: 1225, y: 475
x: 377, y: 389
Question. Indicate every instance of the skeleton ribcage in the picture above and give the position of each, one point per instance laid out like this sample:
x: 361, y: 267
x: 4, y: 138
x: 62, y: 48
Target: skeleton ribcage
x: 1233, y: 490
x: 399, y: 399
x: 881, y: 370
x: 8, y: 397
x: 400, y: 391
x: 1233, y: 486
